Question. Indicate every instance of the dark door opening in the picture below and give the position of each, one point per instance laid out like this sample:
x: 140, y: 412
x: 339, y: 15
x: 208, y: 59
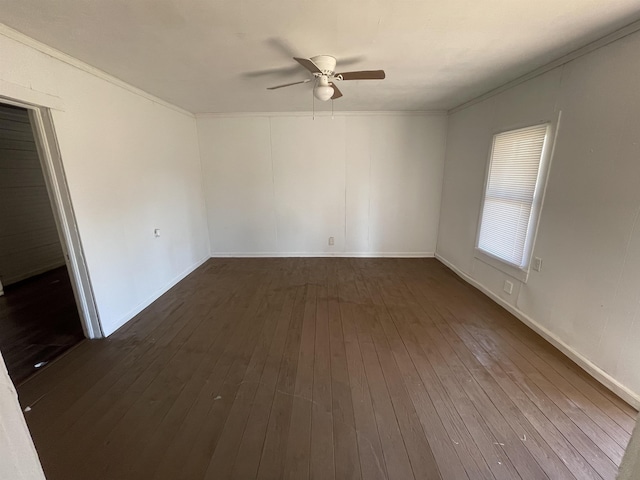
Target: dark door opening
x: 39, y: 317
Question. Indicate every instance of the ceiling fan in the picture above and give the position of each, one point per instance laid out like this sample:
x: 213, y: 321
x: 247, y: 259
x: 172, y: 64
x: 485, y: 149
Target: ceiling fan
x: 323, y: 67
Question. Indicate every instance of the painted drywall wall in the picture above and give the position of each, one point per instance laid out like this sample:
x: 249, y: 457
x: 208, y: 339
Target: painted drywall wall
x: 18, y: 457
x: 29, y: 241
x: 284, y: 184
x: 132, y: 165
x: 586, y: 297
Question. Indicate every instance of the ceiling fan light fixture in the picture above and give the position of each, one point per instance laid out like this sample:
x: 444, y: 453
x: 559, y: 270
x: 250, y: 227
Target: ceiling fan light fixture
x: 323, y: 92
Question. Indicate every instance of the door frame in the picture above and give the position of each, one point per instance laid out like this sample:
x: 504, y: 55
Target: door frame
x: 51, y: 162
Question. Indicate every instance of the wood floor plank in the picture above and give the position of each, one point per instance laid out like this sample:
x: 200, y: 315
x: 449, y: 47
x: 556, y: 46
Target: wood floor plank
x: 507, y: 438
x: 171, y: 464
x: 475, y: 467
x: 393, y: 445
x: 619, y: 410
x: 419, y: 448
x: 461, y: 431
x: 237, y: 357
x: 436, y: 419
x: 158, y: 398
x: 247, y: 459
x: 322, y: 452
x: 564, y: 403
x: 324, y: 368
x: 566, y: 375
x: 616, y: 422
x: 543, y: 399
x: 100, y: 364
x: 345, y: 442
x: 299, y: 440
x: 111, y: 408
x: 548, y: 430
x: 260, y: 368
x: 499, y: 464
x: 372, y: 462
x: 420, y: 452
x: 523, y: 419
x: 545, y: 440
x: 594, y: 456
x: 273, y: 453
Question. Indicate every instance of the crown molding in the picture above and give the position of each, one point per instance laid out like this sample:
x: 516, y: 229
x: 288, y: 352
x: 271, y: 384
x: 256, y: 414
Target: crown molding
x: 569, y: 57
x: 74, y: 62
x: 324, y: 114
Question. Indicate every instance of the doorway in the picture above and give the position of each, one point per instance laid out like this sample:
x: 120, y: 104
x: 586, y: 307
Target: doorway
x: 40, y: 316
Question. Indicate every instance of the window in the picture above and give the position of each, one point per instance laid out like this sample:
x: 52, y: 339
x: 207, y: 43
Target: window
x: 513, y: 195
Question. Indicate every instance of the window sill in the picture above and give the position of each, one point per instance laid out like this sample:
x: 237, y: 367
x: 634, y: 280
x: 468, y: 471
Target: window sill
x: 521, y: 274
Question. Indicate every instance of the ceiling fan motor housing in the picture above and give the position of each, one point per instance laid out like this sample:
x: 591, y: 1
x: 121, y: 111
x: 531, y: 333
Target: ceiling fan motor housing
x: 325, y: 63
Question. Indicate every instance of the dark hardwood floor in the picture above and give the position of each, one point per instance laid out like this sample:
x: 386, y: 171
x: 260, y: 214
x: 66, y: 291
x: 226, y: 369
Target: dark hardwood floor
x: 323, y: 368
x: 38, y: 322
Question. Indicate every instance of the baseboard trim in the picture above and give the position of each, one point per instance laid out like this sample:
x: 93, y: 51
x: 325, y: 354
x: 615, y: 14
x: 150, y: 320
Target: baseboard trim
x: 323, y: 254
x: 587, y: 365
x: 153, y: 297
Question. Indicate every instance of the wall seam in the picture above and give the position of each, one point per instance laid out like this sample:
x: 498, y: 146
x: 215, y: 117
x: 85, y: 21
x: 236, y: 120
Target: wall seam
x: 444, y: 167
x: 204, y: 195
x: 273, y: 185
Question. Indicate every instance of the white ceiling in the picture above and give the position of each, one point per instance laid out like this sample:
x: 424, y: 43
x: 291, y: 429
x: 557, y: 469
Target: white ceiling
x: 205, y: 55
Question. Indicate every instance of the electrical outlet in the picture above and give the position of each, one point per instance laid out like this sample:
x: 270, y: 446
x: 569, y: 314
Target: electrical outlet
x: 156, y: 232
x: 331, y: 241
x: 537, y: 264
x: 508, y: 287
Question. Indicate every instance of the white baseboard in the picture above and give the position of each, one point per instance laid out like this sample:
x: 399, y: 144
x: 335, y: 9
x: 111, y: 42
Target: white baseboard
x: 632, y: 398
x: 323, y: 254
x: 153, y: 297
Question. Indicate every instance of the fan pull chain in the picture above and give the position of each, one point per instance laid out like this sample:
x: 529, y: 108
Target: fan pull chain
x: 313, y: 103
x: 332, y: 117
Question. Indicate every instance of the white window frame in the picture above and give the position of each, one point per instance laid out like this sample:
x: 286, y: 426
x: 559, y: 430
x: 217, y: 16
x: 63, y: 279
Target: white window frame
x: 516, y: 271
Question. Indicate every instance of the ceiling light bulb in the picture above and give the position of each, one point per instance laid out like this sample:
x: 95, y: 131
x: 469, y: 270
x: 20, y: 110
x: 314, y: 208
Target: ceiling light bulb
x: 323, y: 92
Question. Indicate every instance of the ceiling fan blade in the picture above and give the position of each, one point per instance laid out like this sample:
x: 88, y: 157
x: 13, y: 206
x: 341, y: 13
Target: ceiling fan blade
x: 308, y: 64
x: 289, y: 84
x: 346, y: 61
x: 282, y: 45
x: 362, y: 75
x: 272, y: 71
x: 336, y: 92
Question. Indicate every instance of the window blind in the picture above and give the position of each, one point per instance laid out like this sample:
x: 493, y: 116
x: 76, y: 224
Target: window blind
x: 509, y: 196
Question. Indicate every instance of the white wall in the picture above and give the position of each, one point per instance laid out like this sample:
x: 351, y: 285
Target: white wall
x: 18, y: 457
x: 132, y: 165
x: 29, y: 241
x: 586, y: 298
x: 284, y: 184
